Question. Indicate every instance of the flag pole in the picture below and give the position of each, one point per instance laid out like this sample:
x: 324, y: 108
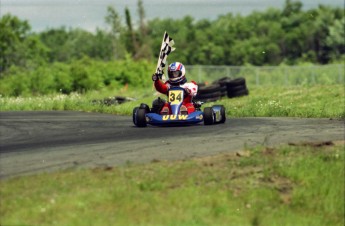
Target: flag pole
x: 160, y: 52
x: 165, y: 50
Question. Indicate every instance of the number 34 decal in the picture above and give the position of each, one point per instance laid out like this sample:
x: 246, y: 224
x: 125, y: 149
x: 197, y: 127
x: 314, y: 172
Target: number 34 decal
x: 175, y: 96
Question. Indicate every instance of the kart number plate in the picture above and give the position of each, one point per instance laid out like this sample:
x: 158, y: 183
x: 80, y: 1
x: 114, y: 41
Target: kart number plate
x: 175, y: 96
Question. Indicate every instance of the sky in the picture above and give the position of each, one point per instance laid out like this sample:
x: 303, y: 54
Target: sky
x: 89, y: 14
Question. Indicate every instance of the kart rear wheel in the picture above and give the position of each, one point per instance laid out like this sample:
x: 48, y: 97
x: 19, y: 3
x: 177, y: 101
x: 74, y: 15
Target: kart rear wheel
x: 208, y: 116
x: 140, y: 118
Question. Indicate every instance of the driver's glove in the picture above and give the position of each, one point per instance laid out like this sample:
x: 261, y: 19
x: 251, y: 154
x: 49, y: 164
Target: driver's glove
x: 156, y: 76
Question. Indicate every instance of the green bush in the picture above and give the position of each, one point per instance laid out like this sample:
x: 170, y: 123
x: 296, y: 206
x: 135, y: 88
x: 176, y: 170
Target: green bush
x: 15, y: 84
x: 42, y: 81
x: 78, y: 76
x: 63, y: 80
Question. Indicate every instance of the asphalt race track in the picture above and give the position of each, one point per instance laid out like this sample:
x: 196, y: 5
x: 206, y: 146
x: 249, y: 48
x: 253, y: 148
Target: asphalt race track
x: 33, y: 142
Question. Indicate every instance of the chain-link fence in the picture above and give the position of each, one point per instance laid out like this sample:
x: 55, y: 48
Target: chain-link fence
x: 270, y: 75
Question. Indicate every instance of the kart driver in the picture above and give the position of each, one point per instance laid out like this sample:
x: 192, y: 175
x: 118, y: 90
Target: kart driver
x: 176, y: 74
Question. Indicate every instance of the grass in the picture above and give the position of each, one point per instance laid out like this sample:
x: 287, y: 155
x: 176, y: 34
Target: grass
x: 307, y: 102
x: 297, y: 184
x: 319, y: 101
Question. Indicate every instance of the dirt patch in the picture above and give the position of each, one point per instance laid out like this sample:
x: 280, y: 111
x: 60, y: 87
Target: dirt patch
x: 258, y: 167
x: 246, y: 167
x: 313, y: 144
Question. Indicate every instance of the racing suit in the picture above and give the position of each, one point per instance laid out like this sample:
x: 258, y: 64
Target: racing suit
x: 191, y: 89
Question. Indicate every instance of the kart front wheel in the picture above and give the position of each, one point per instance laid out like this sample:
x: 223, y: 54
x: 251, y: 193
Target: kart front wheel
x: 140, y: 118
x: 134, y: 114
x: 208, y: 116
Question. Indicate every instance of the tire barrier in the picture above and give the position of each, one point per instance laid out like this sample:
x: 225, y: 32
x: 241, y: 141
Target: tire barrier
x: 222, y: 87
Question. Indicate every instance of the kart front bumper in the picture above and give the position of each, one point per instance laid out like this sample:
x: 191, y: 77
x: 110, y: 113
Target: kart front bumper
x: 157, y: 119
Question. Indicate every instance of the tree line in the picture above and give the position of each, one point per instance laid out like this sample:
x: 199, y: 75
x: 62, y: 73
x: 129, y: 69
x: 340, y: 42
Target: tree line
x: 272, y: 37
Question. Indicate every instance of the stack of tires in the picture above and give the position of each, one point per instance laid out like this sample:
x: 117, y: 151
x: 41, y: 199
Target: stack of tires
x: 220, y: 88
x: 236, y: 88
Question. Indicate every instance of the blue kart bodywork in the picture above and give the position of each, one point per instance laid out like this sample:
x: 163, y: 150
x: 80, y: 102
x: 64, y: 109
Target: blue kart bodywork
x: 175, y: 98
x: 157, y: 119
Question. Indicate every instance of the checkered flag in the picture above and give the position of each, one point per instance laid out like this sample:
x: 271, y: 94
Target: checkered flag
x: 166, y: 49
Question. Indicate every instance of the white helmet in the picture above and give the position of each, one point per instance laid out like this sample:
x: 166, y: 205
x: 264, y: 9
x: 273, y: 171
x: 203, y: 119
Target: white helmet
x: 176, y: 73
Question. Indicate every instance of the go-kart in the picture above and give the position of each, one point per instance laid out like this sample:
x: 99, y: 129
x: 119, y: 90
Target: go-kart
x: 143, y: 115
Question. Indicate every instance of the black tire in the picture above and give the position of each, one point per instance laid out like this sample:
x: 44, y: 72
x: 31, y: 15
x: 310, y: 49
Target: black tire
x: 208, y: 95
x: 202, y: 84
x: 224, y: 93
x: 208, y: 99
x: 220, y: 89
x: 141, y: 118
x: 157, y: 105
x: 238, y: 93
x: 133, y: 114
x: 145, y: 107
x: 120, y: 99
x: 209, y: 89
x: 236, y: 82
x: 208, y: 116
x: 222, y: 113
x: 222, y: 81
x: 236, y: 88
